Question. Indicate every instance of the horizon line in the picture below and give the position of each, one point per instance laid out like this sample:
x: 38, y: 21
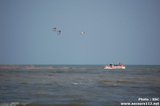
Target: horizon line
x: 76, y: 64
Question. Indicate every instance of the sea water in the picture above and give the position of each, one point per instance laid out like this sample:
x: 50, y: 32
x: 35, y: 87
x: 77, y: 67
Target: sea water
x: 81, y: 85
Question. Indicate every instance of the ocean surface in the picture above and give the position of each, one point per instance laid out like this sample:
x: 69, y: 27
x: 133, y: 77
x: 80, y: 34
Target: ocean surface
x: 78, y: 85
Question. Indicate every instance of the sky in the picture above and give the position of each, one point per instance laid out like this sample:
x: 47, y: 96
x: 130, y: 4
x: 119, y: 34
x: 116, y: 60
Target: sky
x: 126, y: 31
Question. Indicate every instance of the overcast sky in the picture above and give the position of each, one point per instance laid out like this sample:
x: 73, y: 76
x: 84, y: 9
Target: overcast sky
x: 126, y: 31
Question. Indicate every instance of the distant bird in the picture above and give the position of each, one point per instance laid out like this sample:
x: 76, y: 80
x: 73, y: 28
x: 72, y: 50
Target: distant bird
x: 54, y: 29
x: 83, y: 33
x: 59, y: 32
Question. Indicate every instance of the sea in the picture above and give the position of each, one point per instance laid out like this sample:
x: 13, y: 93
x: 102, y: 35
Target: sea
x: 79, y: 85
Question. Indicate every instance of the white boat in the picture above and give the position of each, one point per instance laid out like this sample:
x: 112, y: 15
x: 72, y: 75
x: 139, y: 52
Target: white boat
x: 111, y: 66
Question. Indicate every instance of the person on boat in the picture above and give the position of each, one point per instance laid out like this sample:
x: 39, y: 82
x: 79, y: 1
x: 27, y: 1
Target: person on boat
x: 110, y: 65
x: 120, y: 64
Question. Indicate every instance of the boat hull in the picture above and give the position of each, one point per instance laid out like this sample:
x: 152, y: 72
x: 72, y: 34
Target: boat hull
x: 114, y: 67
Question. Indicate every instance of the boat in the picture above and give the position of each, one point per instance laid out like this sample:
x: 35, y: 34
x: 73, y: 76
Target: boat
x: 113, y: 66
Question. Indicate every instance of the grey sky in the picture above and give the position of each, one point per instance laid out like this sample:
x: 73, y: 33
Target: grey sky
x: 126, y: 31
